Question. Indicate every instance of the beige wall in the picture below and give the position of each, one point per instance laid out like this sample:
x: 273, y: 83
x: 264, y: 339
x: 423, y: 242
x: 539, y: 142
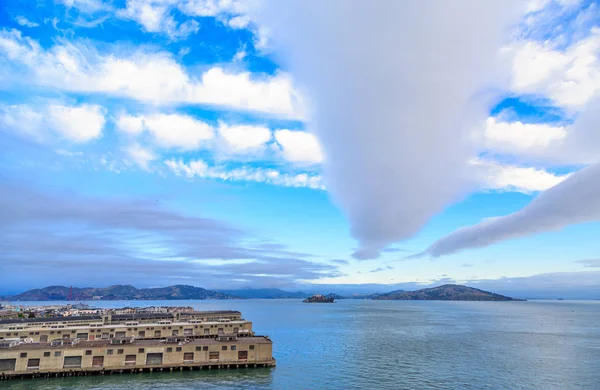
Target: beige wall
x: 262, y: 352
x: 36, y: 333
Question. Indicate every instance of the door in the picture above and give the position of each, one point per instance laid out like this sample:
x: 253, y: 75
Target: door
x: 188, y: 356
x: 98, y: 361
x: 154, y: 358
x: 130, y: 360
x: 242, y: 355
x: 72, y: 362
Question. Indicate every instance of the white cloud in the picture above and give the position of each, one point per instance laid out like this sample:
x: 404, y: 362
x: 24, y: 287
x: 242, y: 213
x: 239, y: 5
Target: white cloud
x: 130, y: 124
x: 514, y: 178
x: 575, y: 200
x: 169, y: 130
x: 155, y: 16
x: 80, y: 68
x: 299, y: 146
x: 244, y: 138
x: 198, y: 168
x: 569, y: 77
x: 23, y: 21
x: 516, y: 136
x: 77, y: 124
x: 140, y: 155
x: 394, y: 127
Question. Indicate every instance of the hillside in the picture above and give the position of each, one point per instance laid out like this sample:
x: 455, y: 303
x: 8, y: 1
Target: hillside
x: 118, y: 292
x: 265, y: 293
x: 447, y: 292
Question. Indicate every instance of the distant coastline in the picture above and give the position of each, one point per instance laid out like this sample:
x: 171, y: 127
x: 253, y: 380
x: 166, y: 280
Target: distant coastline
x: 447, y: 292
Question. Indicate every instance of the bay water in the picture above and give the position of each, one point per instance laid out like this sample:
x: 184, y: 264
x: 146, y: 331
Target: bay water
x: 364, y: 344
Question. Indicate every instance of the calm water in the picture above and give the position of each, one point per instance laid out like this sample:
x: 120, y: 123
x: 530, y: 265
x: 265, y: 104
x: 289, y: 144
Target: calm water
x: 357, y: 344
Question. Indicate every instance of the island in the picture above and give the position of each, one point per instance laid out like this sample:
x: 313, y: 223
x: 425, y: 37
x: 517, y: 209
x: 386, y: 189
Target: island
x: 447, y: 292
x: 318, y: 298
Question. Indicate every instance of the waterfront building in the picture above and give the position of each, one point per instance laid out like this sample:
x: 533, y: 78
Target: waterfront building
x: 130, y: 343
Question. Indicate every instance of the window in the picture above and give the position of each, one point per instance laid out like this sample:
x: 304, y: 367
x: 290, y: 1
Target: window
x: 88, y: 352
x: 119, y: 352
x: 130, y: 360
x: 109, y: 351
x: 23, y: 354
x: 36, y: 333
x: 188, y: 357
x: 233, y: 347
x: 242, y: 355
x: 224, y: 348
x: 46, y: 354
x: 33, y: 364
x: 252, y: 347
x: 169, y: 349
x: 178, y: 349
x: 142, y: 333
x: 56, y: 353
x: 205, y: 348
x: 213, y: 355
x: 157, y: 333
x: 175, y: 333
x: 198, y: 348
x: 140, y: 350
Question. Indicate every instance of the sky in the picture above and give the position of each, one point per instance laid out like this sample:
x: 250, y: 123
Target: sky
x: 341, y: 145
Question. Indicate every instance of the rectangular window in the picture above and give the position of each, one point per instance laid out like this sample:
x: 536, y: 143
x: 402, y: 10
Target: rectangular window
x: 252, y: 347
x: 56, y: 353
x: 130, y: 360
x: 175, y: 332
x: 205, y: 348
x: 72, y: 362
x: 142, y: 333
x: 46, y: 354
x: 98, y: 361
x: 109, y: 351
x: 120, y: 334
x: 198, y: 348
x: 188, y: 357
x: 178, y: 349
x: 119, y: 352
x: 44, y: 338
x: 88, y: 352
x: 188, y: 332
x: 140, y: 350
x: 242, y: 355
x: 82, y: 336
x: 213, y: 355
x: 23, y: 354
x: 224, y: 348
x: 157, y: 333
x: 33, y: 364
x: 233, y: 347
x: 169, y: 349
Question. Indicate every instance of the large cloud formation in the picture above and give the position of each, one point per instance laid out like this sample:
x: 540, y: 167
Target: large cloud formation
x: 575, y: 200
x: 396, y: 88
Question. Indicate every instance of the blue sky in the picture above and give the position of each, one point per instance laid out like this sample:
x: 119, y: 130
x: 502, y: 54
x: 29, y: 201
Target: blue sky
x: 226, y: 143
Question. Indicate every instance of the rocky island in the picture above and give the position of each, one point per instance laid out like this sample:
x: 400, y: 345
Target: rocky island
x: 319, y: 299
x: 447, y: 292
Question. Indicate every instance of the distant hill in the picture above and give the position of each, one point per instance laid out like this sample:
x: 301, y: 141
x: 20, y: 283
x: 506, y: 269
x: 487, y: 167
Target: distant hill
x: 447, y: 292
x: 265, y: 293
x: 118, y: 292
